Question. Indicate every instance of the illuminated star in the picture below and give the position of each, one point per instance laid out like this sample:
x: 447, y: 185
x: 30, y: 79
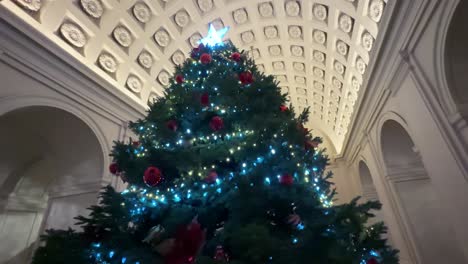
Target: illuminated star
x: 214, y: 37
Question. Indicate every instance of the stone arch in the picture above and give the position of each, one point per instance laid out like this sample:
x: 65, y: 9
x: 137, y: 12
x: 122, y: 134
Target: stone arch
x: 398, y: 148
x: 369, y: 191
x: 11, y: 103
x: 455, y: 55
x: 51, y: 172
x: 417, y: 202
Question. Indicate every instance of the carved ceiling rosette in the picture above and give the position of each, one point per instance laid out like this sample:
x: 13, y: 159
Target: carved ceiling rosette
x: 73, y: 34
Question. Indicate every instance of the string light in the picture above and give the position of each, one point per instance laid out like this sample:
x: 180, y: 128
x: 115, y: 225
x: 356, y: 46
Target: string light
x: 141, y: 198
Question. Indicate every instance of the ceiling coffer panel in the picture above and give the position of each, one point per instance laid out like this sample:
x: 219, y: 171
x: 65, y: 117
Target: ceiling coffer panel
x: 318, y: 50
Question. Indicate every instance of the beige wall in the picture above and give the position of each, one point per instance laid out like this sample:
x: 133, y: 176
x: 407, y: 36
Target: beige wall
x: 420, y: 174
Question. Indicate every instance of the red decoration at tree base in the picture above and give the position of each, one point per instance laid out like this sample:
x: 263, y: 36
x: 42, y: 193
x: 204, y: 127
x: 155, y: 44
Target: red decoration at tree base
x: 188, y: 242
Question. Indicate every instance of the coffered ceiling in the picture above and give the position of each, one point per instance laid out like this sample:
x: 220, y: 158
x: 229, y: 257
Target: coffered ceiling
x: 318, y: 50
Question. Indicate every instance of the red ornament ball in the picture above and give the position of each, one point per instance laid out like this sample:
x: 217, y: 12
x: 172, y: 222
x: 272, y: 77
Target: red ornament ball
x: 152, y: 176
x: 236, y: 56
x: 205, y: 58
x: 216, y: 123
x: 246, y: 77
x: 114, y: 168
x: 283, y: 108
x: 172, y: 125
x: 211, y: 177
x: 205, y: 99
x: 179, y: 78
x: 136, y: 143
x: 286, y: 179
x: 372, y: 261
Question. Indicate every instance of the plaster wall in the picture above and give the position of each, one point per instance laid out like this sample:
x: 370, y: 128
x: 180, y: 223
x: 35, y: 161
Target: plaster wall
x: 424, y: 195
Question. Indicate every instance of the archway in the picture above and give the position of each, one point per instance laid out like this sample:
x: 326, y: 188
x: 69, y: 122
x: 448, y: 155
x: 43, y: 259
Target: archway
x: 51, y: 165
x: 367, y: 184
x: 417, y: 201
x: 457, y: 57
x: 368, y: 190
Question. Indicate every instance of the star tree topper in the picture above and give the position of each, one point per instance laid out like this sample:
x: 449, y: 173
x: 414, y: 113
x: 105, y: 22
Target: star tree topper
x: 214, y: 37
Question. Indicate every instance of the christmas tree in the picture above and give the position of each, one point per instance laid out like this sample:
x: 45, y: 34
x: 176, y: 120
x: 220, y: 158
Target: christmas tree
x: 223, y: 172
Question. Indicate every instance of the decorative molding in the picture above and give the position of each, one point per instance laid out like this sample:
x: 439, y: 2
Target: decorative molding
x: 134, y: 84
x: 458, y: 121
x: 30, y: 5
x: 402, y: 71
x: 107, y: 62
x: 370, y: 193
x: 444, y: 94
x: 412, y: 172
x: 75, y: 189
x: 73, y: 34
x: 141, y: 12
x: 93, y: 8
x: 122, y: 36
x: 25, y: 203
x: 376, y: 10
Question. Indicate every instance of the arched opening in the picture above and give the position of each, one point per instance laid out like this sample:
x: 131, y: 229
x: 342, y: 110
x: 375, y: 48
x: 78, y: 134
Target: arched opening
x: 417, y: 202
x: 51, y: 165
x: 457, y: 57
x: 368, y: 189
x: 369, y: 192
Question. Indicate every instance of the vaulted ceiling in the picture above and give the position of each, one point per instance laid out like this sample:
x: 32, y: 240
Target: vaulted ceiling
x: 318, y: 50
